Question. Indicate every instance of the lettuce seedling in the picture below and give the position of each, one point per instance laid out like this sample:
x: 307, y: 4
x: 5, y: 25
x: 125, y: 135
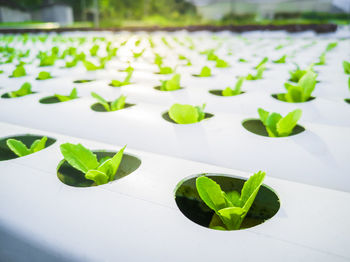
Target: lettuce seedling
x: 300, y: 92
x: 84, y: 160
x: 321, y: 59
x: 165, y: 70
x: 21, y: 149
x: 242, y: 60
x: 182, y: 57
x: 47, y: 60
x: 94, y: 50
x: 281, y: 60
x: 158, y: 60
x: 186, y: 114
x: 220, y: 63
x: 19, y: 71
x: 205, y: 72
x: 230, y: 207
x: 43, y: 75
x: 126, y: 81
x: 297, y: 74
x: 258, y: 75
x: 262, y: 62
x: 73, y: 95
x: 331, y: 46
x: 236, y: 91
x: 278, y: 126
x: 92, y: 67
x: 171, y: 84
x: 211, y: 56
x: 115, y: 105
x: 25, y: 89
x: 139, y: 54
x: 346, y: 67
x: 72, y: 63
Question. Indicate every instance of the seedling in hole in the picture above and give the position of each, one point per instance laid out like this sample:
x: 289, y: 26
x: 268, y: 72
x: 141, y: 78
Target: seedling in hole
x: 139, y: 54
x: 126, y: 81
x: 92, y: 67
x: 346, y: 67
x: 115, y: 105
x: 171, y: 84
x: 242, y: 60
x: 205, y: 72
x: 331, y: 46
x: 43, y: 75
x: 321, y: 59
x: 21, y: 149
x: 47, y: 60
x: 300, y: 92
x: 258, y: 75
x: 236, y: 91
x: 82, y: 159
x: 158, y: 60
x: 182, y: 57
x: 220, y: 63
x: 19, y: 71
x: 165, y: 70
x: 278, y: 126
x: 232, y: 207
x: 73, y: 95
x: 25, y: 89
x: 94, y: 50
x: 297, y: 74
x: 281, y: 60
x: 262, y: 62
x: 186, y: 114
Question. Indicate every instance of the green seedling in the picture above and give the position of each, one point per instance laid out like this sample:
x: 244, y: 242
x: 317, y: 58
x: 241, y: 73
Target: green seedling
x: 19, y: 71
x: 258, y: 75
x: 47, y: 60
x: 115, y: 105
x: 165, y: 70
x: 281, y: 60
x: 321, y: 59
x: 171, y: 84
x: 232, y: 207
x: 278, y: 126
x: 297, y: 74
x: 126, y: 81
x: 242, y: 60
x: 220, y: 63
x: 302, y: 91
x: 91, y: 66
x: 84, y: 160
x: 43, y: 75
x: 158, y: 60
x: 262, y: 62
x: 186, y: 114
x: 205, y: 72
x: 331, y: 46
x: 94, y: 49
x: 73, y: 95
x: 346, y: 67
x: 72, y: 63
x: 20, y: 149
x: 139, y: 54
x: 236, y: 91
x: 25, y: 89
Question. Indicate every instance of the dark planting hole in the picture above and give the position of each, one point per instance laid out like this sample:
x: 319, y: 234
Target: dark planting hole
x: 52, y: 100
x: 280, y: 97
x: 7, y: 154
x: 73, y: 177
x: 265, y: 206
x: 158, y: 88
x: 347, y: 100
x: 166, y: 116
x: 218, y: 92
x: 6, y: 95
x: 197, y: 75
x: 100, y: 108
x: 257, y: 127
x: 82, y: 81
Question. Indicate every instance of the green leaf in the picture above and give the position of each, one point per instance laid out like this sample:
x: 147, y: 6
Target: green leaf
x: 205, y: 72
x: 110, y: 166
x: 94, y: 50
x: 220, y: 63
x: 119, y: 103
x: 165, y: 70
x: 43, y: 75
x: 38, y: 144
x: 73, y: 94
x: 281, y: 60
x: 98, y: 177
x: 201, y: 113
x: 24, y: 90
x: 346, y: 67
x: 130, y: 71
x: 210, y: 192
x: 227, y: 92
x: 173, y: 83
x: 234, y: 197
x: 331, y: 46
x: 322, y: 59
x: 259, y: 72
x: 101, y: 101
x: 232, y: 217
x: 294, y: 93
x: 307, y: 83
x: 263, y: 115
x: 250, y: 189
x: 262, y: 62
x: 17, y: 147
x: 183, y: 114
x: 90, y: 66
x: 286, y: 125
x: 79, y: 157
x: 62, y: 98
x: 19, y: 71
x: 270, y: 121
x: 116, y: 83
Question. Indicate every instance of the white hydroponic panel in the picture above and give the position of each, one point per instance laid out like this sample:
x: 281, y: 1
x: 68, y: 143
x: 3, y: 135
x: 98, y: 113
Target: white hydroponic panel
x: 136, y: 218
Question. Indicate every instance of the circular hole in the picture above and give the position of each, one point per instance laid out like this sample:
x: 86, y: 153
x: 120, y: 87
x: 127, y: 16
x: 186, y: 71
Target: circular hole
x: 52, y: 100
x: 257, y: 127
x: 82, y: 81
x: 347, y: 100
x: 28, y: 139
x: 166, y: 116
x: 197, y: 75
x: 218, y: 92
x: 100, y: 108
x: 265, y: 206
x: 275, y: 96
x: 73, y: 177
x: 6, y: 95
x: 158, y: 88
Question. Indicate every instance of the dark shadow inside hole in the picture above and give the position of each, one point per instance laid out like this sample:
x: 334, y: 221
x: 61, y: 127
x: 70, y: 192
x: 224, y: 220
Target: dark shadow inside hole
x: 6, y: 95
x: 100, y: 108
x: 82, y: 81
x: 218, y: 92
x: 158, y: 88
x: 280, y: 97
x: 166, y: 117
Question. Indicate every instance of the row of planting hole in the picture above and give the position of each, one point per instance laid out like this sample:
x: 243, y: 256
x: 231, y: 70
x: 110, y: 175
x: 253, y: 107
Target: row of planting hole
x: 265, y: 206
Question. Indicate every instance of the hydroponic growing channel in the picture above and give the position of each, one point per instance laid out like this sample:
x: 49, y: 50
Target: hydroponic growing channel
x: 175, y: 146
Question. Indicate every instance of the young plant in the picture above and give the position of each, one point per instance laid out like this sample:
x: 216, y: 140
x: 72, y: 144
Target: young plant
x: 171, y: 84
x: 94, y: 50
x: 165, y: 70
x: 236, y: 91
x: 278, y: 126
x: 115, y: 105
x: 91, y: 66
x: 346, y: 67
x: 302, y: 91
x: 331, y: 46
x: 84, y: 160
x: 205, y: 72
x: 21, y: 149
x: 25, y: 89
x: 220, y: 63
x: 297, y: 74
x: 258, y: 75
x: 73, y: 95
x: 19, y: 71
x: 230, y: 207
x: 281, y: 60
x: 43, y: 75
x: 321, y: 59
x: 47, y: 60
x: 139, y: 54
x: 186, y: 114
x: 262, y: 62
x: 126, y: 81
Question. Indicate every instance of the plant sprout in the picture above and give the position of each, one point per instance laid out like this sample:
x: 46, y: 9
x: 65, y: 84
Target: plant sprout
x: 186, y: 114
x: 171, y: 84
x: 205, y: 72
x: 220, y: 63
x: 19, y: 71
x: 230, y: 207
x: 346, y: 67
x: 262, y: 62
x: 20, y: 149
x: 94, y: 50
x: 115, y: 105
x: 73, y: 95
x: 278, y: 126
x: 258, y: 75
x: 25, y: 89
x: 236, y: 91
x: 281, y: 60
x: 43, y: 75
x: 126, y: 81
x: 84, y: 160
